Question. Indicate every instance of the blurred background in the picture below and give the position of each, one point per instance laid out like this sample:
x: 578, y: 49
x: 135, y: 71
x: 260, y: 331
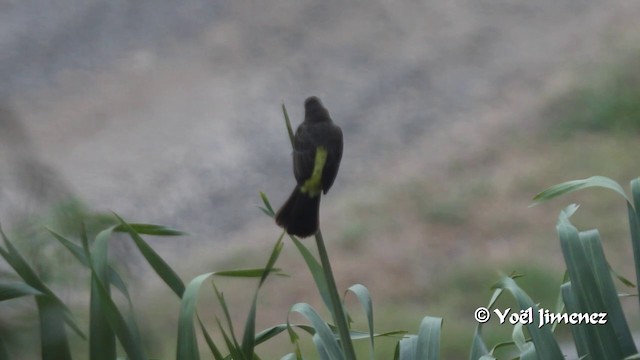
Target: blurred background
x: 455, y: 114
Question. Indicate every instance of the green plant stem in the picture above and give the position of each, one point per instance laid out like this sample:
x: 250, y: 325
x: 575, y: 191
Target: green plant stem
x: 288, y: 123
x: 338, y: 311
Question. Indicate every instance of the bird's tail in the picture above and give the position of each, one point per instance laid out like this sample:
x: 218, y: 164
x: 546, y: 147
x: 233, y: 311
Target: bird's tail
x: 300, y: 214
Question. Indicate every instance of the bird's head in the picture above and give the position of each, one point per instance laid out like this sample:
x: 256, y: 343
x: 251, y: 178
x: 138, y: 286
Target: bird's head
x: 314, y: 110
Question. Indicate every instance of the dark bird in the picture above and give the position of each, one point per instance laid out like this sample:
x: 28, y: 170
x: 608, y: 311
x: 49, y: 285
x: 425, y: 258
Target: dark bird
x: 317, y: 151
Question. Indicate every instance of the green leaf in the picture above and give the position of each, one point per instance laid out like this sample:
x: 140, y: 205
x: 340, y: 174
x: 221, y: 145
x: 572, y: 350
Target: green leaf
x: 187, y: 342
x: 148, y: 229
x: 102, y: 338
x: 248, y: 340
x: 519, y: 339
x: 267, y: 209
x: 542, y: 338
x: 586, y: 343
x: 288, y: 124
x: 53, y: 337
x: 4, y: 354
x: 76, y: 250
x: 428, y: 341
x: 246, y: 273
x: 22, y: 268
x: 575, y: 185
x: 326, y: 337
x: 81, y: 253
x: 478, y: 347
x: 129, y: 340
x: 212, y: 346
x: 634, y: 225
x: 15, y: 289
x: 233, y: 346
x: 275, y: 330
x: 316, y: 272
x: 164, y: 271
x: 406, y: 348
x: 594, y: 291
x: 362, y: 293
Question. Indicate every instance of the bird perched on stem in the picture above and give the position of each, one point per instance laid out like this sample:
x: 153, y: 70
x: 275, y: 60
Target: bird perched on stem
x: 317, y: 151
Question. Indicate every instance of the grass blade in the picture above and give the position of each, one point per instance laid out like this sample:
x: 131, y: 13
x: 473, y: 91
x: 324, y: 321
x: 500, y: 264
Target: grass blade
x: 338, y: 312
x: 288, y: 123
x: 546, y: 346
x: 248, y: 340
x: 584, y: 343
x: 478, y: 346
x: 246, y: 273
x: 234, y: 346
x: 187, y: 347
x: 148, y: 229
x: 362, y: 293
x: 267, y: 209
x: 14, y: 289
x: 53, y: 337
x: 22, y: 268
x: 634, y: 225
x: 575, y: 185
x: 217, y: 355
x: 326, y: 336
x: 79, y: 253
x: 606, y: 289
x: 316, y: 272
x: 164, y: 271
x: 102, y: 339
x: 428, y: 341
x: 76, y: 250
x: 406, y: 348
x: 594, y: 291
x: 128, y: 337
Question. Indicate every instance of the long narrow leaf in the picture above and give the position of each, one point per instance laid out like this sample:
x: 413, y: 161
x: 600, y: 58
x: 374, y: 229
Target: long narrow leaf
x: 149, y: 229
x: 581, y: 336
x: 606, y: 289
x: 575, y: 185
x: 316, y: 272
x: 13, y: 257
x: 406, y: 348
x: 102, y: 338
x: 248, y: 340
x: 362, y: 293
x: 129, y: 340
x: 634, y: 225
x: 546, y: 346
x: 594, y: 290
x: 76, y: 250
x: 187, y: 347
x: 327, y: 338
x: 164, y: 271
x: 81, y: 254
x: 14, y: 289
x: 235, y: 345
x: 267, y: 209
x: 4, y: 354
x: 212, y: 346
x: 428, y: 342
x: 478, y: 346
x: 53, y: 337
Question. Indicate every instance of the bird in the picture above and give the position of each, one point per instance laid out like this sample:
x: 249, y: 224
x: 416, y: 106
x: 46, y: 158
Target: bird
x: 317, y: 152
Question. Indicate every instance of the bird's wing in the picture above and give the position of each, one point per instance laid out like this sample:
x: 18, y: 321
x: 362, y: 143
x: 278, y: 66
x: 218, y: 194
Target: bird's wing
x: 304, y: 153
x: 333, y: 159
